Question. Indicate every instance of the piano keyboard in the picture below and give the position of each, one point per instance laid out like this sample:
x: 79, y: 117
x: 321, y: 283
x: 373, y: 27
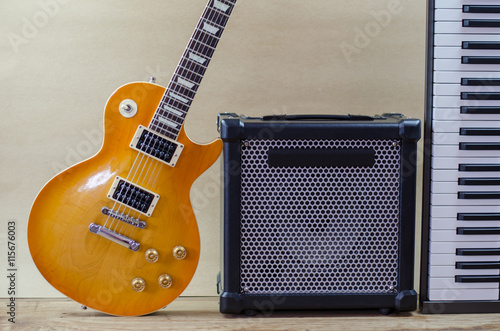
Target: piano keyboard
x: 461, y: 204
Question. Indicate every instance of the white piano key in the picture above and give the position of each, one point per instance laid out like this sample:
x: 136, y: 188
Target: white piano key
x: 451, y: 235
x: 453, y: 200
x: 454, y: 294
x: 451, y: 223
x: 444, y: 271
x: 456, y: 27
x: 444, y: 114
x: 450, y: 247
x: 457, y: 14
x: 460, y: 3
x: 453, y: 187
x: 451, y: 258
x: 455, y: 77
x: 452, y: 138
x: 453, y: 175
x: 457, y: 39
x: 451, y: 150
x: 437, y: 283
x: 454, y: 101
x: 456, y: 89
x: 451, y: 211
x: 448, y: 163
x: 455, y: 64
x: 454, y: 126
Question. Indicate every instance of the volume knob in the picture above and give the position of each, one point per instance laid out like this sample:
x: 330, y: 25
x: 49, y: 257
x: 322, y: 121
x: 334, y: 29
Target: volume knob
x: 138, y: 284
x: 179, y: 252
x: 151, y: 255
x: 165, y: 280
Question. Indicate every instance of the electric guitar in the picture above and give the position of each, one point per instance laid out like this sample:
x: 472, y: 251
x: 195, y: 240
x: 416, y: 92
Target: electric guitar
x: 117, y: 232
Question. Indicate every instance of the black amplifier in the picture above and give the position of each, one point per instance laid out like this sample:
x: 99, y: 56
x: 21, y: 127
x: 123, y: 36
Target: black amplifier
x: 318, y: 212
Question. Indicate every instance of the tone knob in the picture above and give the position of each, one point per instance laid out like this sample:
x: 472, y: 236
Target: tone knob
x: 179, y: 252
x: 138, y: 284
x: 151, y: 255
x: 165, y: 280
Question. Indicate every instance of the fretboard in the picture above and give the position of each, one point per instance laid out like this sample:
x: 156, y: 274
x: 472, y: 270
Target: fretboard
x: 179, y: 95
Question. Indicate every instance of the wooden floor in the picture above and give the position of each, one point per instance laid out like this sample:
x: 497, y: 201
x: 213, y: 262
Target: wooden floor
x: 203, y: 314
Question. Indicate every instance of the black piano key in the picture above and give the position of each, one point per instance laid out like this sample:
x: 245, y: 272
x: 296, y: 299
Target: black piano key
x: 480, y: 9
x: 479, y: 167
x: 477, y: 265
x: 480, y: 82
x: 478, y: 279
x: 479, y: 146
x: 478, y: 230
x: 478, y: 216
x: 480, y: 44
x: 479, y: 110
x: 478, y: 251
x: 480, y: 59
x: 480, y: 23
x: 478, y: 195
x: 479, y: 132
x: 490, y: 181
x: 480, y: 95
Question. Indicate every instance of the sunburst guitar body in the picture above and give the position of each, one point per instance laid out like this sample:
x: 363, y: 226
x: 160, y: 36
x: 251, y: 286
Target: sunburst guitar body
x: 96, y: 270
x: 117, y: 232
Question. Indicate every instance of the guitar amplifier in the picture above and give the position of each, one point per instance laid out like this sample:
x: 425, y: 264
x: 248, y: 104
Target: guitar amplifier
x: 318, y: 212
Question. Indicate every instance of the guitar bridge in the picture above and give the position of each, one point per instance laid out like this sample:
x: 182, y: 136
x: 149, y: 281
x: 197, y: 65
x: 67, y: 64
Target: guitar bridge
x: 158, y: 147
x: 133, y: 196
x: 114, y: 237
x: 123, y: 218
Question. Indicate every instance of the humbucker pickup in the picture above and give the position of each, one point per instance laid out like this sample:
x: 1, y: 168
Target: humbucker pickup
x: 133, y: 196
x: 158, y: 147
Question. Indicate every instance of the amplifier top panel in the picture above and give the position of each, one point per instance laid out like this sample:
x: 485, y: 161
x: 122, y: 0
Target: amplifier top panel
x: 387, y: 126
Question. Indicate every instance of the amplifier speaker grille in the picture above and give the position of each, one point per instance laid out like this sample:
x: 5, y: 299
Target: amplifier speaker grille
x: 327, y: 229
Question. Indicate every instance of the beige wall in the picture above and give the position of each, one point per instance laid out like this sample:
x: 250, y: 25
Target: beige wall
x: 60, y: 61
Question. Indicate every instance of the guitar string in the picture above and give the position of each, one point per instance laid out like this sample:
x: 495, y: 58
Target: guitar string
x: 155, y: 173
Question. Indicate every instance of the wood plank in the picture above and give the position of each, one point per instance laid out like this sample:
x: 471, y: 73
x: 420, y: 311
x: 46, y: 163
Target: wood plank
x: 189, y: 313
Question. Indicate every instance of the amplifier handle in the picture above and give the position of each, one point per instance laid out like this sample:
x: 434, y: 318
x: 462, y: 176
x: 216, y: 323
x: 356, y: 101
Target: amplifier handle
x: 319, y: 117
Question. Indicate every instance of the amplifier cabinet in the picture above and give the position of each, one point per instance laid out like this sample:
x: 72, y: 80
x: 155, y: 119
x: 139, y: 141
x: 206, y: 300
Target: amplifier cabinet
x: 318, y: 212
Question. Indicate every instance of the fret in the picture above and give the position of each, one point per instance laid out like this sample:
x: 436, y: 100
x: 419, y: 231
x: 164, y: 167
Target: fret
x: 175, y: 104
x: 187, y: 83
x: 171, y: 112
x: 215, y: 23
x: 164, y: 130
x: 170, y: 120
x: 223, y: 6
x: 219, y: 12
x: 210, y: 28
x: 179, y: 98
x: 203, y: 44
x: 182, y: 90
x: 201, y: 49
x: 193, y: 66
x: 189, y: 75
x: 198, y: 58
x: 206, y: 38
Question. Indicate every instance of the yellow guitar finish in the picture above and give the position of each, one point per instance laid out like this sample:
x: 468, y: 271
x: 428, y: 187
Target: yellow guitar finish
x: 93, y: 270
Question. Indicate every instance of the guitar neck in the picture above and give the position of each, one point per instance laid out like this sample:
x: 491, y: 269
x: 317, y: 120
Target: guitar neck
x: 176, y: 101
